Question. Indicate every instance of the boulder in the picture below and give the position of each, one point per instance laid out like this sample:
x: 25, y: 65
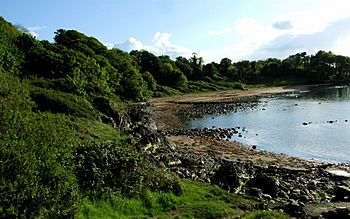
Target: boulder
x: 342, y: 193
x: 269, y: 185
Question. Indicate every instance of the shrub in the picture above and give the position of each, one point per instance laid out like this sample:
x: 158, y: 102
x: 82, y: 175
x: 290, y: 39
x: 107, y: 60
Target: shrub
x: 106, y: 168
x: 36, y: 174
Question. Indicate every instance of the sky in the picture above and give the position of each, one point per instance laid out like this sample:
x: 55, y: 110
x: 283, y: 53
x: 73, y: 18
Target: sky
x: 214, y: 29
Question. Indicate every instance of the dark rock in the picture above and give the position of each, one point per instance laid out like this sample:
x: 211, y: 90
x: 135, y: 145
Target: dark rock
x: 266, y: 196
x: 342, y: 193
x: 339, y: 213
x: 295, y: 209
x: 267, y: 184
x: 231, y: 176
x: 255, y: 192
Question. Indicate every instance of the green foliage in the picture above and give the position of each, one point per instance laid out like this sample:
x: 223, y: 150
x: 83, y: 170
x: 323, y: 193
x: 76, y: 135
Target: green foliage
x: 151, y: 82
x: 131, y: 85
x: 14, y: 95
x: 261, y: 214
x: 10, y: 56
x: 110, y: 167
x: 53, y: 101
x: 163, y: 91
x: 77, y: 41
x: 36, y: 174
x: 198, y: 201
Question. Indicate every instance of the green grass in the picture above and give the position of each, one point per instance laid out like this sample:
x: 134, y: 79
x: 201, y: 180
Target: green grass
x: 197, y: 201
x: 48, y: 100
x: 90, y: 129
x: 263, y: 214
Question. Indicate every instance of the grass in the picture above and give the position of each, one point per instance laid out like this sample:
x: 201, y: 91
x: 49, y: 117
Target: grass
x: 89, y: 129
x: 197, y: 201
x: 264, y: 214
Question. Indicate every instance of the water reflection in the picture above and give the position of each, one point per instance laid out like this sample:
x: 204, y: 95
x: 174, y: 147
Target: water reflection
x: 309, y: 125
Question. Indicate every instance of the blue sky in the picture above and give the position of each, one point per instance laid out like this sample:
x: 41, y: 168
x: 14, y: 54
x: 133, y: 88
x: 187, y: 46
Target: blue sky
x: 237, y: 29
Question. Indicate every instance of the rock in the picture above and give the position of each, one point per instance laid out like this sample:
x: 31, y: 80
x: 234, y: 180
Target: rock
x: 294, y: 208
x: 174, y: 163
x: 338, y: 173
x: 231, y: 175
x: 338, y: 213
x: 267, y: 184
x: 327, y: 210
x: 266, y: 197
x: 342, y: 193
x: 255, y: 192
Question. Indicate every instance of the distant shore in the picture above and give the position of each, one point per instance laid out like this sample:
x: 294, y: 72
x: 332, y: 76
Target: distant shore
x: 231, y: 94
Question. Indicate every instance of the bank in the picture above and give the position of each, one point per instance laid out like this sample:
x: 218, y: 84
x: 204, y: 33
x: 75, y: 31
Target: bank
x: 299, y: 187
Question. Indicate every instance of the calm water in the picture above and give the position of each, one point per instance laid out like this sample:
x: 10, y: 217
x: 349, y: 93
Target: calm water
x: 277, y: 124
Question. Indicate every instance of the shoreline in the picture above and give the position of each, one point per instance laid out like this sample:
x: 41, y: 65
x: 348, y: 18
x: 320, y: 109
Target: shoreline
x: 224, y: 96
x: 297, y: 186
x: 173, y: 110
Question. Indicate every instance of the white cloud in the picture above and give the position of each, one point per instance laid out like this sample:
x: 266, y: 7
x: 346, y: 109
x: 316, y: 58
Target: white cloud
x: 317, y: 18
x: 252, y: 36
x: 161, y: 45
x: 130, y: 44
x: 34, y: 31
x: 334, y: 37
x: 325, y: 26
x: 220, y: 32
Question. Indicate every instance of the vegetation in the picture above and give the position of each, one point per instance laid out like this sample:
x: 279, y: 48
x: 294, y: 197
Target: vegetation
x: 198, y: 201
x: 61, y: 153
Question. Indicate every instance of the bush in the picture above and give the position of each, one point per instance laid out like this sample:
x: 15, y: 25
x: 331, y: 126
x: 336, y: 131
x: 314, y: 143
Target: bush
x: 36, y: 173
x: 105, y: 168
x: 14, y: 95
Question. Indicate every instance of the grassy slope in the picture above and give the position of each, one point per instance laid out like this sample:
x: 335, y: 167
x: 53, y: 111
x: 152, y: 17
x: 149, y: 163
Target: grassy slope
x: 198, y: 201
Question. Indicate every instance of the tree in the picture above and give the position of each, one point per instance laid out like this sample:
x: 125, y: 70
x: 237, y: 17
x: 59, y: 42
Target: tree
x: 196, y: 64
x: 210, y: 70
x: 148, y: 62
x: 131, y: 84
x: 184, y: 65
x: 10, y: 57
x: 75, y: 40
x: 225, y: 64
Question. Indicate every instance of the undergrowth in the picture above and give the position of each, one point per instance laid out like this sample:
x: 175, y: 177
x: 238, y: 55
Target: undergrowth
x: 197, y: 201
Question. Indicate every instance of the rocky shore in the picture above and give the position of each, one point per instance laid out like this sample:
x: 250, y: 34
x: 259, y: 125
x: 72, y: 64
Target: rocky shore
x: 304, y: 189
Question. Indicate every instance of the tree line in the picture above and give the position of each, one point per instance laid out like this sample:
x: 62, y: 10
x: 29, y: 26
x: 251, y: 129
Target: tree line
x: 83, y: 65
